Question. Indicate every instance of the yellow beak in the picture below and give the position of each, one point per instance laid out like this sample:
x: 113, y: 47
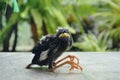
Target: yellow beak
x: 64, y: 35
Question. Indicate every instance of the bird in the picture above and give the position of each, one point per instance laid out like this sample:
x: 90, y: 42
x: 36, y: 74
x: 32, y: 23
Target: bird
x: 51, y: 47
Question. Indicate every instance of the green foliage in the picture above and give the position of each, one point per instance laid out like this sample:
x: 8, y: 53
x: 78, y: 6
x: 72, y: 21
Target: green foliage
x: 47, y: 11
x: 4, y: 32
x: 54, y: 13
x: 109, y: 21
x: 115, y: 33
x: 92, y: 43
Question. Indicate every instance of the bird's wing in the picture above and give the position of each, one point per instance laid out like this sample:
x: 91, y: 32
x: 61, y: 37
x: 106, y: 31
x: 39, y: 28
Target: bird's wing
x: 44, y: 44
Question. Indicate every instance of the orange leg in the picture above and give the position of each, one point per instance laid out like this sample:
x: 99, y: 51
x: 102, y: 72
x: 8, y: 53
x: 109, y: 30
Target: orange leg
x: 71, y: 62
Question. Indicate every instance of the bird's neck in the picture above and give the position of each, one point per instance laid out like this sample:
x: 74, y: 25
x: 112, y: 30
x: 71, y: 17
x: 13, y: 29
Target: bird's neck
x: 63, y: 44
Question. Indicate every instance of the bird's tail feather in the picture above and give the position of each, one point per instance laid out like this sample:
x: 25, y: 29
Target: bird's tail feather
x: 34, y: 50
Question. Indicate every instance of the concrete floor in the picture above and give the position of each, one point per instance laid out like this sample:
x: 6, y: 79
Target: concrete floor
x: 96, y: 66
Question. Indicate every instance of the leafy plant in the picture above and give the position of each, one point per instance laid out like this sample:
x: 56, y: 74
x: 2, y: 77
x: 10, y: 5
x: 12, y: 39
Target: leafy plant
x: 47, y: 15
x: 90, y: 42
x: 14, y: 18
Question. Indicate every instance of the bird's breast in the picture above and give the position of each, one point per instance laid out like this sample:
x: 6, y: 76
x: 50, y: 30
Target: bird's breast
x: 58, y: 51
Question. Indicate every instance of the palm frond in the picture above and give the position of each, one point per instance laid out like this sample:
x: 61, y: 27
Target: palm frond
x: 115, y: 33
x: 92, y: 43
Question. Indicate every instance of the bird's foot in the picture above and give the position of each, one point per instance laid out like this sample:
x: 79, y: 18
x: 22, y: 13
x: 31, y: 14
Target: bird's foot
x: 75, y: 66
x: 73, y: 61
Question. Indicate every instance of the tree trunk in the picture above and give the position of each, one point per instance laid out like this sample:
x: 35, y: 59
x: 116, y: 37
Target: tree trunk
x: 34, y: 31
x: 15, y: 39
x: 14, y: 28
x: 44, y: 29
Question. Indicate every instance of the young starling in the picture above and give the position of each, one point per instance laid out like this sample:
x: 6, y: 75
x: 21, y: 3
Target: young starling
x: 51, y: 47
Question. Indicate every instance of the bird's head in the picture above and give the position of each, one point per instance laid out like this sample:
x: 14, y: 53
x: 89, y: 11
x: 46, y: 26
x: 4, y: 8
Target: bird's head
x: 63, y: 33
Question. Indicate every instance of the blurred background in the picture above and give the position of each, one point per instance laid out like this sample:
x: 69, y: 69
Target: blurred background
x: 94, y: 24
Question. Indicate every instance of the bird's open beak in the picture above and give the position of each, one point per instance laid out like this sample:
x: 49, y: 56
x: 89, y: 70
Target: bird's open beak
x: 64, y: 35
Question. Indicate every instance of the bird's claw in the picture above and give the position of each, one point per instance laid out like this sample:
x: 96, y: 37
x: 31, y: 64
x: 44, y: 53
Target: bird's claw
x: 74, y: 64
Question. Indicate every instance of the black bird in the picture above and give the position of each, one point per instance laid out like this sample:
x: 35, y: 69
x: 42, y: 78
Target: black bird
x: 51, y: 47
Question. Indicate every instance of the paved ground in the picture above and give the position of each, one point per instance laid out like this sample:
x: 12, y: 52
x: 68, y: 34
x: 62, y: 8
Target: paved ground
x: 97, y: 66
